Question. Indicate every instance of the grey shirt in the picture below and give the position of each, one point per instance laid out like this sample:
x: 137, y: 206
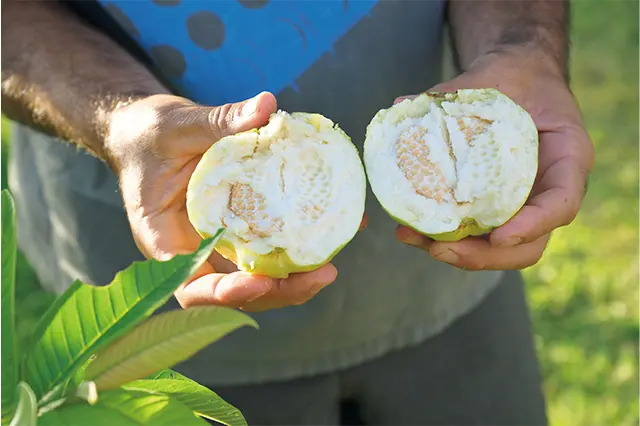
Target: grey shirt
x: 387, y: 295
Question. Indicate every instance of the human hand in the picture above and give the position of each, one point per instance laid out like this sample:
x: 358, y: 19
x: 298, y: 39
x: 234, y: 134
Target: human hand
x: 566, y: 156
x: 154, y: 145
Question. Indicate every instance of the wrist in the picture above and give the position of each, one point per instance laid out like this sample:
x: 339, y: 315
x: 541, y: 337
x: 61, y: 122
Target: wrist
x: 105, y: 109
x: 530, y: 59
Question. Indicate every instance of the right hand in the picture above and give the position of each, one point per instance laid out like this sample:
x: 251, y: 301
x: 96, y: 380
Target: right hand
x: 154, y: 145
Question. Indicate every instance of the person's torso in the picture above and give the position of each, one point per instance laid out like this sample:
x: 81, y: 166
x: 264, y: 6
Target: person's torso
x: 346, y: 60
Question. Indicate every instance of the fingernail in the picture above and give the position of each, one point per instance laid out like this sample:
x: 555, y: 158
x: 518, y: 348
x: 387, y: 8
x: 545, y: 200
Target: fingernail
x: 250, y: 107
x: 511, y: 241
x: 363, y: 223
x: 447, y: 256
x: 255, y: 297
x: 404, y: 98
x: 260, y: 290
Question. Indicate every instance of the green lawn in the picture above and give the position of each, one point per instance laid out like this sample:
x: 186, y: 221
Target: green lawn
x: 584, y: 292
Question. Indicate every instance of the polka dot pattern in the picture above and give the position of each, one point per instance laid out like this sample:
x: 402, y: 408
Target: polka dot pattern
x: 253, y: 4
x: 123, y: 20
x: 169, y: 59
x: 228, y: 50
x: 166, y: 2
x: 206, y: 30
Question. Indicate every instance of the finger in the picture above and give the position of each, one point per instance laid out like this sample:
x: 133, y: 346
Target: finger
x: 558, y: 191
x: 231, y: 290
x: 294, y: 290
x: 561, y: 189
x: 214, y: 123
x: 413, y: 238
x: 450, y: 86
x: 233, y: 118
x: 478, y: 254
x: 402, y: 98
x: 441, y: 88
x: 364, y: 222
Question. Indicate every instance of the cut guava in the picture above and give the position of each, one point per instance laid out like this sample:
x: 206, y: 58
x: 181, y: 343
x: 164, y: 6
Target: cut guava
x: 290, y: 194
x: 452, y: 165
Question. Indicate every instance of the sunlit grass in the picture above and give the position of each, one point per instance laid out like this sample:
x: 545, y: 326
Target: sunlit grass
x: 584, y: 293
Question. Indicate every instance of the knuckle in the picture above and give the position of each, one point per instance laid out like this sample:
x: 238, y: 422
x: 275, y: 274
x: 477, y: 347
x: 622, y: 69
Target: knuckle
x: 280, y: 284
x: 220, y: 119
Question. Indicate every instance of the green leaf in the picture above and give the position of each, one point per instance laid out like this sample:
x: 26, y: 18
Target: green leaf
x: 168, y: 374
x: 27, y: 410
x: 232, y: 417
x: 87, y: 318
x: 203, y: 401
x: 161, y: 342
x: 9, y: 348
x: 124, y: 407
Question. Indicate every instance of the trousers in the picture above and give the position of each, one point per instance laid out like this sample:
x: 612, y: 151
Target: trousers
x: 482, y: 370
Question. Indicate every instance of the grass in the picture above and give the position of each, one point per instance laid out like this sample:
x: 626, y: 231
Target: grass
x: 584, y: 292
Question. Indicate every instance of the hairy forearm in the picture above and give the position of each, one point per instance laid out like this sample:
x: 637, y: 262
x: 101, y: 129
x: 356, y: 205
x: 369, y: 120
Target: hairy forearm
x: 63, y: 77
x: 481, y: 27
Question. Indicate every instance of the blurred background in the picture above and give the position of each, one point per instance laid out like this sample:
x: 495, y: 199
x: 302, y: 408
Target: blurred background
x: 584, y: 292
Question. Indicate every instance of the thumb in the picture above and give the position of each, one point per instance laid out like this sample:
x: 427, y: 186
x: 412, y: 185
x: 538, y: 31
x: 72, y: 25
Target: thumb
x: 229, y: 119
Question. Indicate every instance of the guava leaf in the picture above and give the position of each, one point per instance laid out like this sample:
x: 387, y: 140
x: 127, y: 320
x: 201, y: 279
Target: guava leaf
x: 202, y: 400
x: 161, y: 342
x: 87, y: 318
x: 27, y: 410
x: 230, y: 418
x: 9, y: 344
x: 169, y: 374
x: 124, y: 407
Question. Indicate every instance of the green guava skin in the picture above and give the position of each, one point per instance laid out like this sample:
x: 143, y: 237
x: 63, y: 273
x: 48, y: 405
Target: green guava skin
x: 468, y: 227
x: 276, y: 264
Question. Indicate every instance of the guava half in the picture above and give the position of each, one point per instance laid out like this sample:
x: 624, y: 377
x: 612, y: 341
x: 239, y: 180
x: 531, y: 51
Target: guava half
x: 291, y: 194
x: 452, y: 165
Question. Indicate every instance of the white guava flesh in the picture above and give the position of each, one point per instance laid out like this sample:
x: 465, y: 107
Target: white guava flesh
x: 453, y: 164
x: 290, y: 194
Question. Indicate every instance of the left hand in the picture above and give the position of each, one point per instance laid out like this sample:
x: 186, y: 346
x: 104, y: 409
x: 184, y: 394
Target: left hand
x: 566, y: 156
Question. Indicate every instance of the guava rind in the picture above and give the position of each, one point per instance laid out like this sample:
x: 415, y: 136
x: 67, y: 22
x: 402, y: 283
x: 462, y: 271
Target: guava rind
x: 471, y: 229
x: 468, y: 226
x: 277, y: 263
